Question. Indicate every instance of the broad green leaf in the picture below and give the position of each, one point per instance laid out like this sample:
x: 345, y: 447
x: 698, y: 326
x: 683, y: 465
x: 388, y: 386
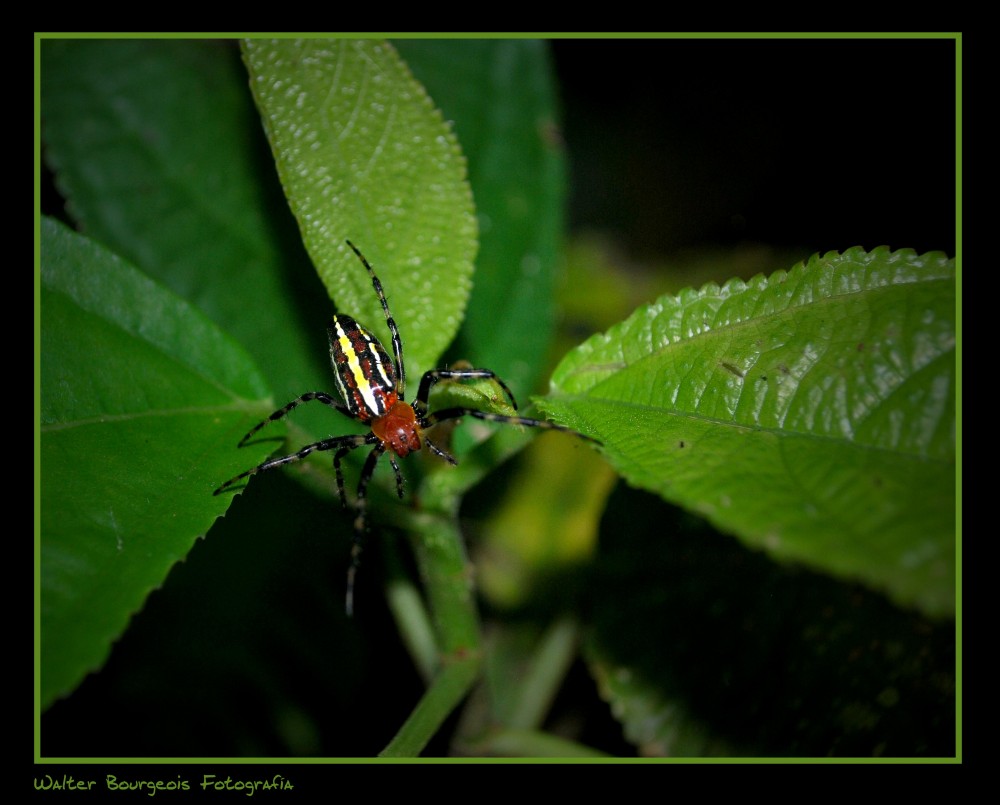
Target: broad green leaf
x: 811, y: 413
x: 505, y: 116
x: 142, y: 403
x: 364, y: 155
x: 159, y: 150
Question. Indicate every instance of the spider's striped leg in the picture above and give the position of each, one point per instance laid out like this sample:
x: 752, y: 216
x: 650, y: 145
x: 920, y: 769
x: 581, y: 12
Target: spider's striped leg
x: 361, y: 523
x: 397, y: 343
x: 454, y: 413
x: 342, y: 444
x: 399, y: 476
x: 437, y: 450
x: 343, y: 451
x: 322, y: 396
x: 434, y: 375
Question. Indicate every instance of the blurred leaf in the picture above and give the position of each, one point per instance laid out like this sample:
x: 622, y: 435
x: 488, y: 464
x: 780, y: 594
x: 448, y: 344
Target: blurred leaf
x: 658, y: 726
x: 142, y: 402
x: 812, y: 413
x: 703, y: 647
x: 364, y: 155
x: 544, y: 527
x: 159, y: 150
x: 604, y: 282
x: 505, y: 116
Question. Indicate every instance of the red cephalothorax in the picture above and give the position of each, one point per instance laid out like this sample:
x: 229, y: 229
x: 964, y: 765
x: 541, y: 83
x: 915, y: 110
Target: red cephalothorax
x: 372, y: 386
x: 397, y: 429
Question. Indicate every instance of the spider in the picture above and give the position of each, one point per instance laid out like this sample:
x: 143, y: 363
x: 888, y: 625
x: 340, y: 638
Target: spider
x: 372, y: 390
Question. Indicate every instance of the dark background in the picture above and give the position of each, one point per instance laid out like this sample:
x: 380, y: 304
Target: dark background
x: 811, y: 144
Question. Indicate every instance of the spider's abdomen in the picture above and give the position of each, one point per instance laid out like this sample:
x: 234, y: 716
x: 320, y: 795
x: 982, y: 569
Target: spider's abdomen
x: 362, y: 368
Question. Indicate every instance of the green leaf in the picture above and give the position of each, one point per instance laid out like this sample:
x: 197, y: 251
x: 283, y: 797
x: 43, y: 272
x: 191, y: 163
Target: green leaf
x: 142, y: 403
x: 364, y: 155
x: 159, y: 150
x: 811, y: 413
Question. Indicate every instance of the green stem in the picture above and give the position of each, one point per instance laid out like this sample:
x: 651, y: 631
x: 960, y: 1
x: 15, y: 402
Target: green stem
x: 412, y: 619
x: 444, y: 567
x: 447, y: 577
x: 446, y: 692
x: 544, y: 676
